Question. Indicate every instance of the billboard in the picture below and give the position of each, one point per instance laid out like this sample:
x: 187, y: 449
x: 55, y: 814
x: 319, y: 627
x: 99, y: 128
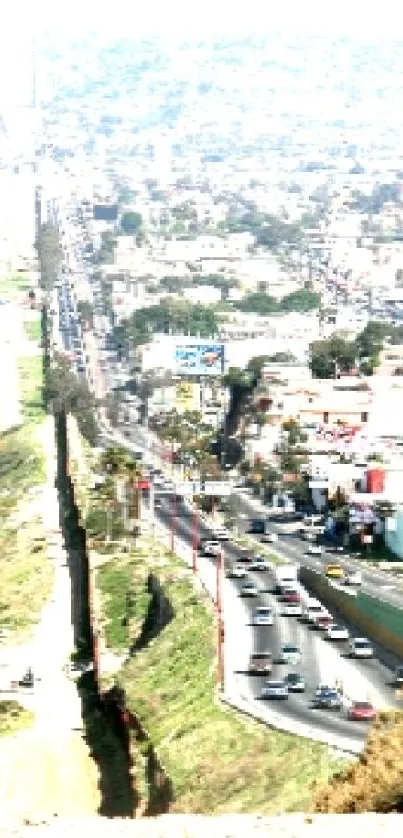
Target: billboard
x: 105, y: 212
x: 199, y: 358
x: 187, y: 396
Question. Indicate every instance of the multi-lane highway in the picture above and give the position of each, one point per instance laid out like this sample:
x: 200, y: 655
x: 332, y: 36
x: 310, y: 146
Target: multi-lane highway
x: 376, y: 583
x: 321, y: 662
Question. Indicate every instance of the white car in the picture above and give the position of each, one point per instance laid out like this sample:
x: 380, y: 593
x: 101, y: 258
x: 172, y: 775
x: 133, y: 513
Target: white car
x: 290, y: 654
x: 211, y: 548
x: 336, y: 632
x: 314, y: 550
x: 263, y: 616
x: 238, y: 571
x: 360, y: 647
x: 269, y: 538
x: 249, y: 589
x: 220, y: 534
x: 353, y: 577
x: 290, y: 609
x: 259, y: 563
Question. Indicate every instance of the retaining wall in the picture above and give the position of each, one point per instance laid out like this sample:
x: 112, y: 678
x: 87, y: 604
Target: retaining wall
x: 377, y: 619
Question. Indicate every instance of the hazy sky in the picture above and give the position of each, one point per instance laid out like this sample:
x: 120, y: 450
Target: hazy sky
x: 186, y: 18
x: 181, y: 19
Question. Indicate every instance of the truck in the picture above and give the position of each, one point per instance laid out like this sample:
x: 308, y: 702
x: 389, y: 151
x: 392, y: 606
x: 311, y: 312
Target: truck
x: 285, y: 576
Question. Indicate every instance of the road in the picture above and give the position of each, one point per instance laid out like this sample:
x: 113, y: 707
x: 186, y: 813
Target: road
x: 321, y: 661
x: 377, y: 583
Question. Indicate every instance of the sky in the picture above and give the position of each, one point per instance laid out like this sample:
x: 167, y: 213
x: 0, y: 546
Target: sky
x: 184, y: 18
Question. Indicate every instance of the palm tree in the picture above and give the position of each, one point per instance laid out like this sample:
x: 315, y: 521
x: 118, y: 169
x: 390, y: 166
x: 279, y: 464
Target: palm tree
x: 122, y: 474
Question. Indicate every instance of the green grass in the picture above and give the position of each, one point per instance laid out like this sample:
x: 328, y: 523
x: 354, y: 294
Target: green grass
x: 124, y: 609
x: 30, y: 376
x: 14, y: 286
x: 26, y: 573
x: 217, y: 760
x: 13, y: 717
x: 32, y: 329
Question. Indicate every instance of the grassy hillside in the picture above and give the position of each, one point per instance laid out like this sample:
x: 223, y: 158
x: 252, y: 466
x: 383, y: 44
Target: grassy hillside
x: 217, y: 760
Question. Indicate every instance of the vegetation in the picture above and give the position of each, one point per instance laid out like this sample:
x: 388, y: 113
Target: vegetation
x: 64, y: 391
x: 330, y: 358
x: 191, y: 436
x: 373, y: 783
x: 216, y: 760
x: 33, y: 330
x: 337, y: 355
x: 26, y: 574
x: 13, y: 717
x: 300, y: 301
x: 14, y: 286
x: 131, y: 223
x: 49, y: 255
x: 169, y: 317
x: 86, y: 313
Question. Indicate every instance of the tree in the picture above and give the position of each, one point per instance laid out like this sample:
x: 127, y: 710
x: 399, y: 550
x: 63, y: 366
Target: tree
x: 65, y: 392
x: 131, y: 223
x: 258, y: 303
x: 370, y: 343
x: 86, y: 313
x: 329, y: 358
x: 292, y: 447
x: 49, y: 255
x: 302, y: 301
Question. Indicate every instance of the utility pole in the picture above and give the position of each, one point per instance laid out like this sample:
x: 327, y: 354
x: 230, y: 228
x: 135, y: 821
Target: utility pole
x: 152, y: 509
x: 220, y: 622
x: 195, y: 536
x: 173, y: 521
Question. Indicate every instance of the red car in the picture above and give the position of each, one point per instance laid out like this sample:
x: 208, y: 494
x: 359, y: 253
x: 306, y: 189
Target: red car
x: 289, y: 595
x: 361, y: 711
x: 323, y: 621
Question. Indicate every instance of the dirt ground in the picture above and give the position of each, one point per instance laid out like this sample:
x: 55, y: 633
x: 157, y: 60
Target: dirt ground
x: 47, y: 769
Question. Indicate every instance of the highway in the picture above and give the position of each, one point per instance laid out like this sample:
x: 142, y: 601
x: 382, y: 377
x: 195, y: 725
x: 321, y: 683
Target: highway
x: 377, y: 583
x: 322, y: 661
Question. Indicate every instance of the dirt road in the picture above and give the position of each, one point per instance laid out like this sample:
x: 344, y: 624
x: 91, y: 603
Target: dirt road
x: 48, y: 770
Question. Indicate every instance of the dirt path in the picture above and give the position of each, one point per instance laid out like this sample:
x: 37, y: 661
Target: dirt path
x: 48, y: 769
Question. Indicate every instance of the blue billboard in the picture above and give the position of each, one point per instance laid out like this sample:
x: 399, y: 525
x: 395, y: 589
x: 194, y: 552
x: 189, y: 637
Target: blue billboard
x: 199, y: 359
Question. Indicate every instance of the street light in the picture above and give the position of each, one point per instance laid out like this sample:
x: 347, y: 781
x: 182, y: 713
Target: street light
x: 220, y: 622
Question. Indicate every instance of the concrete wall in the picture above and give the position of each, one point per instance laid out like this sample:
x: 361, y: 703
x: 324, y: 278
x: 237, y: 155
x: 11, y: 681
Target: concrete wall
x: 394, y: 537
x: 376, y: 619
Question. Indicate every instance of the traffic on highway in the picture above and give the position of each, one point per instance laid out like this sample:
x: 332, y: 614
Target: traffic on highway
x: 290, y: 651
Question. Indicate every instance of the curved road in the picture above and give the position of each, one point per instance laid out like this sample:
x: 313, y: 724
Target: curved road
x: 321, y: 661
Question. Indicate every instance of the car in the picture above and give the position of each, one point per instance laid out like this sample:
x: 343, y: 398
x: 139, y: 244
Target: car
x: 314, y: 550
x: 245, y: 558
x: 259, y: 563
x: 263, y: 616
x: 323, y: 620
x: 274, y: 689
x: 312, y: 609
x: 326, y: 698
x: 361, y: 711
x: 295, y: 682
x: 257, y: 526
x: 237, y: 571
x: 335, y: 548
x: 334, y: 631
x: 248, y: 589
x: 353, y: 577
x: 289, y: 609
x: 269, y: 538
x: 290, y: 595
x: 211, y: 549
x: 334, y: 571
x: 260, y: 663
x: 290, y: 654
x: 220, y: 534
x: 360, y: 647
x: 398, y: 676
